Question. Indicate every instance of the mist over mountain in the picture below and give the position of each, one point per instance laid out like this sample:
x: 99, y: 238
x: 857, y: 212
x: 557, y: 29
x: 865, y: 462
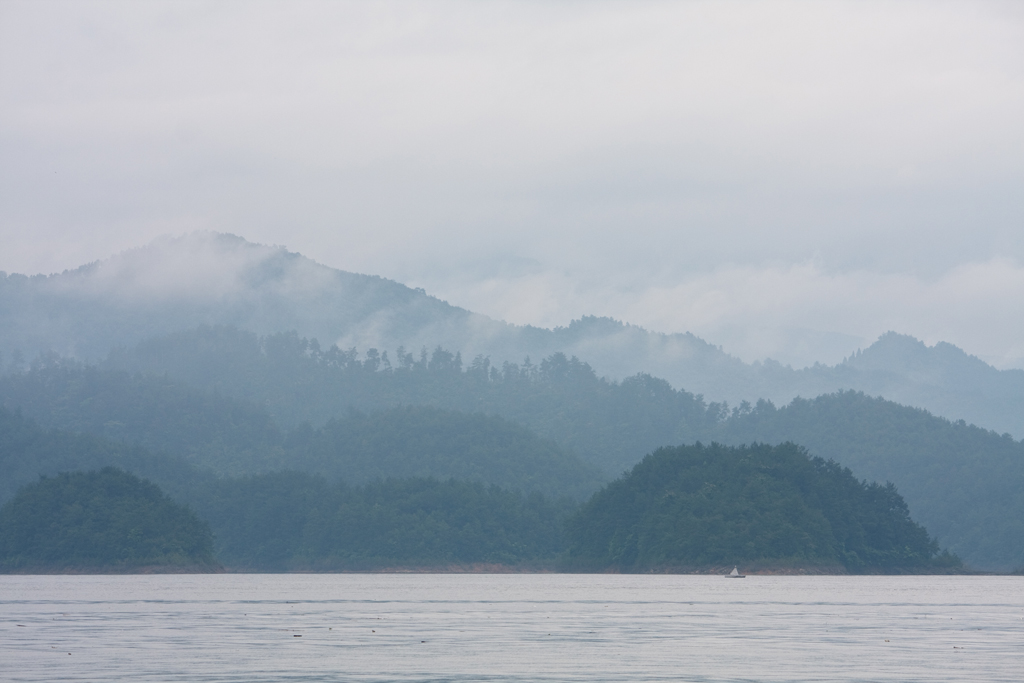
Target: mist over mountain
x: 210, y: 278
x: 204, y: 278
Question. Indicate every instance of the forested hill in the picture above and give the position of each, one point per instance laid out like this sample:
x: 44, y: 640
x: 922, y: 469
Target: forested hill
x: 174, y: 285
x: 694, y: 506
x: 107, y: 520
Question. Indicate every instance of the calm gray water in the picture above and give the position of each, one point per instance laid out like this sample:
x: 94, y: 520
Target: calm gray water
x: 547, y: 627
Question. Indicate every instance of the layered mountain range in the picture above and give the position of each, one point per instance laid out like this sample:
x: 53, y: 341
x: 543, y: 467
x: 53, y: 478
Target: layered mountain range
x: 177, y: 284
x: 208, y: 363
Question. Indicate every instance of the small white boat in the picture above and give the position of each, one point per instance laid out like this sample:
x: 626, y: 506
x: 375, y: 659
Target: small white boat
x: 735, y: 574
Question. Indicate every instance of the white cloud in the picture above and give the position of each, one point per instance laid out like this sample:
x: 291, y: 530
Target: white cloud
x: 784, y: 171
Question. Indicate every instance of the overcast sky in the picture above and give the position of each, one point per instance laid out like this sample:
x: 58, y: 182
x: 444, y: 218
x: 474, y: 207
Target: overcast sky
x: 786, y: 179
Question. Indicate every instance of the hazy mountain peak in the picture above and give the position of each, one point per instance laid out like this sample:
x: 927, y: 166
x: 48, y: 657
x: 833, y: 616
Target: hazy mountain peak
x: 199, y: 266
x: 889, y: 348
x: 894, y: 352
x: 206, y: 278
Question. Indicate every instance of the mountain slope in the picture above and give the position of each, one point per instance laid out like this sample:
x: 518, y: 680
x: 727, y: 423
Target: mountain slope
x: 232, y: 436
x: 27, y: 451
x: 420, y: 441
x: 216, y: 432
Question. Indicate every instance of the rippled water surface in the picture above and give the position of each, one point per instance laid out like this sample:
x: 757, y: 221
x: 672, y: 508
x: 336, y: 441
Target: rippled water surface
x: 495, y: 627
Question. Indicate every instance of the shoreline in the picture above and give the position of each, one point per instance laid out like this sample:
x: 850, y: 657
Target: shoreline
x: 493, y: 568
x: 115, y: 571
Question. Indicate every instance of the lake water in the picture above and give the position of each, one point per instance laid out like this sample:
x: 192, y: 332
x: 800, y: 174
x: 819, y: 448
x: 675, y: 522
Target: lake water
x: 502, y: 627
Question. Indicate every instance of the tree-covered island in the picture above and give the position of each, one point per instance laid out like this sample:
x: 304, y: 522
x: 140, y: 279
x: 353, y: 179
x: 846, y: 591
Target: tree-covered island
x: 693, y: 507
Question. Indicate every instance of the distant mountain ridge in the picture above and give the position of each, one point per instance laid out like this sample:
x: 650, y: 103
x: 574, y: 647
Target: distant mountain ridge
x: 206, y: 278
x: 943, y: 379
